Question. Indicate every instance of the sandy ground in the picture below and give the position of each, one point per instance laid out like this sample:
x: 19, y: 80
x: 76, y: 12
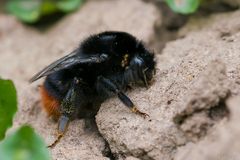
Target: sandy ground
x: 193, y: 103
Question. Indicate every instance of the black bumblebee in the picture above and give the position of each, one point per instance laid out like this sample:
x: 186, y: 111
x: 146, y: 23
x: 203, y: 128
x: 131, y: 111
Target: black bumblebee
x: 104, y: 65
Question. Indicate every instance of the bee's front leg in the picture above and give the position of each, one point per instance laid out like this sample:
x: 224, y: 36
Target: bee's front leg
x: 108, y: 85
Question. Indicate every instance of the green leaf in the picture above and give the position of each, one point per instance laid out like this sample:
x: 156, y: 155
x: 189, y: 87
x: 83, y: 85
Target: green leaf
x: 26, y: 10
x: 183, y: 6
x: 69, y: 5
x: 24, y: 144
x: 8, y: 105
x: 48, y: 7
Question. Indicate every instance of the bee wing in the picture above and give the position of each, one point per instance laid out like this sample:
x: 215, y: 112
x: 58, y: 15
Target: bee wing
x: 67, y: 61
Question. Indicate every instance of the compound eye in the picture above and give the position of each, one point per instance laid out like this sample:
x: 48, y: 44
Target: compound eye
x: 137, y: 61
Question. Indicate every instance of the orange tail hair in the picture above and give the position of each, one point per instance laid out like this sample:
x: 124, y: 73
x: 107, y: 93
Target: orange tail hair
x: 50, y: 104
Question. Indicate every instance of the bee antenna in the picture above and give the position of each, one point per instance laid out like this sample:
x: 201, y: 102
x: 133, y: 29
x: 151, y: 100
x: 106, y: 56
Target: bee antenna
x: 144, y: 77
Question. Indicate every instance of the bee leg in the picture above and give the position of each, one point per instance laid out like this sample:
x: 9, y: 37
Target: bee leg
x: 126, y: 100
x: 110, y: 86
x: 67, y: 111
x: 62, y: 128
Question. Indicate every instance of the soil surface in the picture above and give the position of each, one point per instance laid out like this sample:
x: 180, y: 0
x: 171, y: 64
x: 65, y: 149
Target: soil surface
x: 193, y: 103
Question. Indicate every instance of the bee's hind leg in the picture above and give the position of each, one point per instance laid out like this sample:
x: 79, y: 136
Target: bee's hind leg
x: 67, y: 111
x: 62, y: 128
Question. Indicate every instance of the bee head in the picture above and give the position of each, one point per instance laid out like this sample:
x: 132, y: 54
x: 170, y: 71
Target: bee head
x: 141, y: 68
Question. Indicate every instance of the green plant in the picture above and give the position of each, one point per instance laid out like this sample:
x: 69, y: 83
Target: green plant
x: 183, y: 6
x: 24, y: 144
x: 30, y: 11
x: 8, y: 105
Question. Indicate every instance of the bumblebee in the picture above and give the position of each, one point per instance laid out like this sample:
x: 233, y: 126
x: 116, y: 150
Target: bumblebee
x: 104, y: 65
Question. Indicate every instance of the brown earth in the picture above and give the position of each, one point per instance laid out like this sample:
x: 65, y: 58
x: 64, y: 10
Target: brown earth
x: 193, y: 103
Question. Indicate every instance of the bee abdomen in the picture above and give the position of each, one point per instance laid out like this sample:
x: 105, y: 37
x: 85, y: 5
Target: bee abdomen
x: 50, y: 104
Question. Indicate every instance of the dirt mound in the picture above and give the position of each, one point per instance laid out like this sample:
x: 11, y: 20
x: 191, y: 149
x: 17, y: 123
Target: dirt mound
x: 196, y: 75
